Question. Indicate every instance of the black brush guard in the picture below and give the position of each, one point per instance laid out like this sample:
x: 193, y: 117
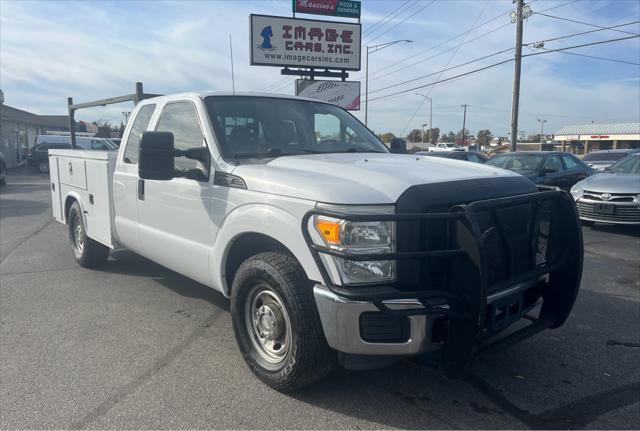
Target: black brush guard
x: 554, y: 268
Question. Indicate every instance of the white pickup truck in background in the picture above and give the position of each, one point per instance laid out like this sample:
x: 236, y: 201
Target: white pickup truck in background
x: 329, y: 246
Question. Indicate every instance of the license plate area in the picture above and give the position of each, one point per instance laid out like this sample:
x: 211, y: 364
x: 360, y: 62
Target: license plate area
x: 603, y: 209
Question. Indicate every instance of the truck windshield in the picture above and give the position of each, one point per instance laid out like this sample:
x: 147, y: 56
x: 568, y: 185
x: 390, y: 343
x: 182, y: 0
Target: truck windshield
x: 264, y: 127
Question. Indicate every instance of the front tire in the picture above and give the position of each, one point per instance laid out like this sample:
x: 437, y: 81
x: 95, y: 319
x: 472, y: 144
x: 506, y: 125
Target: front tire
x: 3, y: 175
x: 43, y: 167
x: 87, y: 252
x: 276, y: 322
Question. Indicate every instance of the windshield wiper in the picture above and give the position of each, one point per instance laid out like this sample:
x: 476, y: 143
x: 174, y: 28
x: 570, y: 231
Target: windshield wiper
x: 359, y: 150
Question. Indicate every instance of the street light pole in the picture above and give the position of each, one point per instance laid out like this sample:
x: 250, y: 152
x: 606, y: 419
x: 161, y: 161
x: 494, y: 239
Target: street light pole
x: 372, y: 49
x: 423, y: 135
x: 541, y: 128
x: 430, y: 113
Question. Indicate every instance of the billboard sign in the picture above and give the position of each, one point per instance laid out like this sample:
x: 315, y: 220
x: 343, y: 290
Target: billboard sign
x: 344, y: 8
x: 282, y: 41
x: 345, y: 94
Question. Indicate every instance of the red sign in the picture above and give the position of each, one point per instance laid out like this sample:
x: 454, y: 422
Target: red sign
x: 600, y: 137
x: 344, y: 8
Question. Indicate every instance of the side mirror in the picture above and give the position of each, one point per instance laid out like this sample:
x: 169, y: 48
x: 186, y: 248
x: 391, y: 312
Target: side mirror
x: 155, y: 156
x: 398, y: 145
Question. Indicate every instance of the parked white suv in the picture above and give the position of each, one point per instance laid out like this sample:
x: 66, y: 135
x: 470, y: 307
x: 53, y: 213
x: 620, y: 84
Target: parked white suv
x: 329, y: 247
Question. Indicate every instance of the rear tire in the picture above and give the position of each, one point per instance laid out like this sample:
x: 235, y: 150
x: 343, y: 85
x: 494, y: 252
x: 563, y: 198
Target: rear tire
x: 43, y: 167
x: 87, y: 252
x: 276, y: 322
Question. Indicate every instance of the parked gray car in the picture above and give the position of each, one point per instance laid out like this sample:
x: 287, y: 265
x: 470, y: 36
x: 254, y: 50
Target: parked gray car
x: 612, y: 196
x: 601, y: 160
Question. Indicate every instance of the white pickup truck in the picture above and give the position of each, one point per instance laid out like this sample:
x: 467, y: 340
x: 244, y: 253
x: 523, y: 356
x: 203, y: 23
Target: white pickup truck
x: 331, y: 249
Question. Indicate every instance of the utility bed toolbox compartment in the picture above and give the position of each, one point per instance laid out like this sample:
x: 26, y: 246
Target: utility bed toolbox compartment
x: 86, y: 177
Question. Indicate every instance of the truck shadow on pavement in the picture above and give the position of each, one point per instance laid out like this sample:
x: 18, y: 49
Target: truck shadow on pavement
x: 128, y: 263
x: 21, y: 208
x: 557, y: 380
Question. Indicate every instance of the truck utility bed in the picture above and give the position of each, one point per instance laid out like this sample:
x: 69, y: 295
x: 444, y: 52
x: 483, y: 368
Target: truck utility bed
x: 87, y: 175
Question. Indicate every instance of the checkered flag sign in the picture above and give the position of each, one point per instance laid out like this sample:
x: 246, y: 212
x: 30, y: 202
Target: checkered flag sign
x: 345, y: 94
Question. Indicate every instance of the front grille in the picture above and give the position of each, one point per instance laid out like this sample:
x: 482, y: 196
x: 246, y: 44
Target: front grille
x: 608, y: 197
x: 621, y: 213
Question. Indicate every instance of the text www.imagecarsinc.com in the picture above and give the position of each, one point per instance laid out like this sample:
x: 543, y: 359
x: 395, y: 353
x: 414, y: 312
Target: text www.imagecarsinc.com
x: 307, y: 58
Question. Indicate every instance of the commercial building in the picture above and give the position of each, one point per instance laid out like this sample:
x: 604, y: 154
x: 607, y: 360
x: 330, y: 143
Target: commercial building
x: 584, y: 138
x: 18, y: 130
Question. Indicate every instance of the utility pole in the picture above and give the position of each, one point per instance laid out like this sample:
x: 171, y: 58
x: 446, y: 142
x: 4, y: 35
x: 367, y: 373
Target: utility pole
x: 516, y: 76
x: 541, y: 128
x: 464, y: 122
x: 233, y: 77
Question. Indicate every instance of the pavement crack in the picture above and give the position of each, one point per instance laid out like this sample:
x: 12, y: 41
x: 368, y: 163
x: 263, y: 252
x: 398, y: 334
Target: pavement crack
x: 580, y: 413
x: 162, y: 362
x: 574, y: 415
x: 622, y: 343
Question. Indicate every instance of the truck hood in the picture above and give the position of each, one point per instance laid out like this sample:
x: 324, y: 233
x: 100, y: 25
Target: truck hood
x: 612, y: 183
x: 357, y: 178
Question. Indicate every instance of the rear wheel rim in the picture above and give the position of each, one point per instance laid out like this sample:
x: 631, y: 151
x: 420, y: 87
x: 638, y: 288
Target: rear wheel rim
x: 77, y: 233
x: 268, y: 325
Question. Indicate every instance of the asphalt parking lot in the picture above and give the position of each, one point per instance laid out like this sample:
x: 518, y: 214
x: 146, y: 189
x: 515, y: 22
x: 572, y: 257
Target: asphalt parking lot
x: 135, y: 345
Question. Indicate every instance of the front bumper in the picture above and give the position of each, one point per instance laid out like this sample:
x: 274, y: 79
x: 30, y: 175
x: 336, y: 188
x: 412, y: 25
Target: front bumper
x: 341, y: 324
x: 627, y: 213
x: 481, y: 293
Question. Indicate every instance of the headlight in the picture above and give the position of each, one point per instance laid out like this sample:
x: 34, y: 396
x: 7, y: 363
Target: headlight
x: 577, y: 191
x: 360, y: 238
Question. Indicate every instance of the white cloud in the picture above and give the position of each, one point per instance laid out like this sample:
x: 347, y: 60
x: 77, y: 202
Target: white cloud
x: 91, y: 50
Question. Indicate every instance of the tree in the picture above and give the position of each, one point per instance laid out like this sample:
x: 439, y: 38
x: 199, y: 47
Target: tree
x: 484, y: 137
x: 449, y: 137
x: 466, y: 133
x: 435, y: 135
x: 415, y: 136
x: 386, y: 137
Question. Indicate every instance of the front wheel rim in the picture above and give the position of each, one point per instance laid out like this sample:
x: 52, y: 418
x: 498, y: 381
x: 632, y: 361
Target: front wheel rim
x: 268, y: 324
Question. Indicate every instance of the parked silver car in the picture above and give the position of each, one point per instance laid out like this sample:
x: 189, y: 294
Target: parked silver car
x: 612, y: 196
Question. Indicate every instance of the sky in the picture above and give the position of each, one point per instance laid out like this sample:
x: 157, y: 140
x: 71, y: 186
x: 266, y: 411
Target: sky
x: 50, y: 50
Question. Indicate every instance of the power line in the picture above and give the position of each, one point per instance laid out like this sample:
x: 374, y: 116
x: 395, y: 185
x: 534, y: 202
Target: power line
x: 399, y: 63
x: 475, y: 21
x: 585, y: 23
x: 583, y: 32
x: 442, y: 70
x: 615, y: 60
x: 501, y: 15
x: 500, y: 63
x: 382, y: 21
x: 557, y: 6
x: 397, y: 24
x: 441, y: 52
x: 600, y: 42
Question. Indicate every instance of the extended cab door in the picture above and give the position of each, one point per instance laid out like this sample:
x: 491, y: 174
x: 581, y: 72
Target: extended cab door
x: 125, y: 181
x: 173, y: 215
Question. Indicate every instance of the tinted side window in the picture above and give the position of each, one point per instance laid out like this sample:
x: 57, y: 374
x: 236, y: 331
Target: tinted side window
x: 570, y: 162
x: 554, y: 162
x: 181, y: 119
x: 137, y: 129
x: 474, y: 158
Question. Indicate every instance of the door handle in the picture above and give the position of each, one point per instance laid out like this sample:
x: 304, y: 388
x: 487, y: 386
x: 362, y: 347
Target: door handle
x: 140, y: 189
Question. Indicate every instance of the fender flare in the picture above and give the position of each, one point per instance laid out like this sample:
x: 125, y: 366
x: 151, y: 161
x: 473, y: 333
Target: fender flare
x: 263, y: 219
x: 75, y: 196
